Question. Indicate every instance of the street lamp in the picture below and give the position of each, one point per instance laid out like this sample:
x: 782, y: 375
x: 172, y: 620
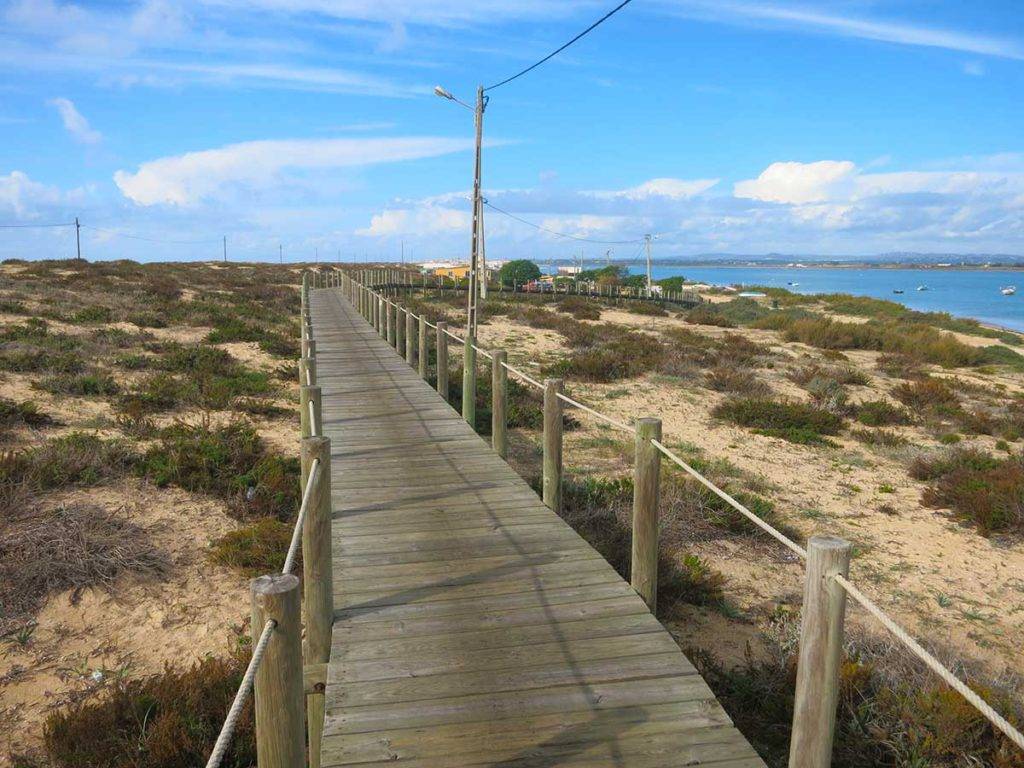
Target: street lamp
x: 476, y: 262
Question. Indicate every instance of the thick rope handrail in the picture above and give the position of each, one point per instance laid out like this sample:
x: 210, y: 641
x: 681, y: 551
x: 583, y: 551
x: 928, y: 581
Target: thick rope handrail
x: 523, y: 376
x: 592, y: 412
x: 227, y: 731
x: 932, y: 663
x: 293, y: 547
x: 457, y: 338
x: 771, y: 531
x: 483, y: 352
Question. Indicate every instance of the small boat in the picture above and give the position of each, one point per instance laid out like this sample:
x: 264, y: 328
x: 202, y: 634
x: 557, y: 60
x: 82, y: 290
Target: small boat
x: 897, y: 290
x: 1008, y: 290
x: 792, y: 284
x: 922, y: 287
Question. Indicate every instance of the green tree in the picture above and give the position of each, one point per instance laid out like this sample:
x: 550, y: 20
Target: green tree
x: 518, y: 271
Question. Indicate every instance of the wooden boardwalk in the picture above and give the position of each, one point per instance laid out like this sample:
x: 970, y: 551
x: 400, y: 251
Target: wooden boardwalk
x: 473, y: 627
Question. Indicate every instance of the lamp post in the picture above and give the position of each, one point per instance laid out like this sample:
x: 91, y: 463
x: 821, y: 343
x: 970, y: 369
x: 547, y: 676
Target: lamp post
x: 476, y: 263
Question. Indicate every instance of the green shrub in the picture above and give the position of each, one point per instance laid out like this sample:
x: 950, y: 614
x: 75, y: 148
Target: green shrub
x: 991, y: 498
x: 927, y: 393
x: 579, y: 307
x: 647, y: 308
x: 728, y: 378
x: 796, y: 422
x: 227, y: 461
x: 93, y: 314
x: 881, y: 413
x: 257, y: 548
x: 935, y: 465
x: 95, y: 384
x: 879, y: 437
x: 168, y: 720
x: 75, y: 459
x: 623, y: 356
x: 707, y: 314
x: 25, y: 413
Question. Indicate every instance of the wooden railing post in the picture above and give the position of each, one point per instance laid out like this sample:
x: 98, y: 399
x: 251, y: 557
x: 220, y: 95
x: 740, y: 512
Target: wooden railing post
x: 499, y: 402
x: 424, y: 355
x: 410, y: 338
x: 318, y: 595
x: 382, y: 309
x: 821, y: 648
x: 309, y: 394
x: 389, y: 319
x: 442, y: 358
x: 643, y: 575
x: 400, y: 329
x: 552, y: 479
x: 280, y: 740
x: 469, y: 381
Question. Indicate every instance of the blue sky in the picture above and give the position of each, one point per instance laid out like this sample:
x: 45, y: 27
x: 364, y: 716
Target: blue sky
x: 726, y: 126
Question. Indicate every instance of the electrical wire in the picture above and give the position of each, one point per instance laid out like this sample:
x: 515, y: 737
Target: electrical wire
x: 115, y: 233
x: 559, y: 234
x: 36, y: 226
x: 554, y: 53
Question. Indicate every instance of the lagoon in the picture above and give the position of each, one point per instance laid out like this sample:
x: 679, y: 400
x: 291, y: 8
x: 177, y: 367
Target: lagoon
x: 961, y: 292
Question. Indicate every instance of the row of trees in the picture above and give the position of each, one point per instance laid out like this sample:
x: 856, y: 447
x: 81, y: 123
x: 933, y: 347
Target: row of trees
x: 520, y: 271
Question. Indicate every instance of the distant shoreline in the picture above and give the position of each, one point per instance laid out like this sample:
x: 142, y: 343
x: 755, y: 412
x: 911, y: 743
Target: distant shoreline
x: 843, y: 265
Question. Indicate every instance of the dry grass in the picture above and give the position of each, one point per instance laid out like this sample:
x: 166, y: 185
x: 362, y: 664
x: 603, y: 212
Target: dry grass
x: 45, y: 551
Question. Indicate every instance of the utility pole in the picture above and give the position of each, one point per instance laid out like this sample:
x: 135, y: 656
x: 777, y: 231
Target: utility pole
x: 477, y: 234
x: 647, y: 241
x: 280, y: 253
x: 316, y: 253
x: 225, y: 249
x: 78, y: 238
x: 403, y: 251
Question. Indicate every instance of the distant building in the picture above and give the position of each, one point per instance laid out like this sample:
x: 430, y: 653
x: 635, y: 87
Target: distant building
x: 573, y: 270
x: 456, y: 272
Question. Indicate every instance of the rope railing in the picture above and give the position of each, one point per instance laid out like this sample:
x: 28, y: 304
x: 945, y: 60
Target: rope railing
x: 227, y: 731
x: 296, y: 542
x: 810, y: 738
x: 932, y: 663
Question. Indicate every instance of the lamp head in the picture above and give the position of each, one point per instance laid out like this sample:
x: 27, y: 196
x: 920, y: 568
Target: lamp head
x: 439, y: 91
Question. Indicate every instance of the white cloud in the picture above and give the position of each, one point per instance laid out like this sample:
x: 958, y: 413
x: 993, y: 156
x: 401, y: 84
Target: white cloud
x: 672, y: 189
x: 20, y: 196
x: 802, y: 18
x: 425, y: 220
x: 195, y: 176
x: 974, y: 68
x: 75, y: 123
x: 792, y: 182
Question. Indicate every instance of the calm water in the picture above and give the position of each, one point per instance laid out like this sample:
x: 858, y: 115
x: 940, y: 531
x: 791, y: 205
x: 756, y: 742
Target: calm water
x: 967, y: 293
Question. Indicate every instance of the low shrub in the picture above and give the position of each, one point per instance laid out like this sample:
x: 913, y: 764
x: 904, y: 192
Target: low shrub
x: 881, y: 413
x: 25, y: 413
x: 707, y: 314
x: 168, y: 720
x: 229, y: 462
x: 935, y: 465
x: 647, y: 308
x: 625, y: 355
x: 991, y: 498
x: 96, y: 384
x: 879, y: 437
x: 727, y: 378
x: 579, y: 307
x: 76, y: 459
x: 795, y: 422
x: 257, y: 548
x: 926, y: 393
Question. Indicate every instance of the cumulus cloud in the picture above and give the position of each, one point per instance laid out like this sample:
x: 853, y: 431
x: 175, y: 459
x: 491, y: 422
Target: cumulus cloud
x: 425, y: 220
x: 797, y: 182
x: 19, y: 195
x: 75, y: 123
x: 195, y: 176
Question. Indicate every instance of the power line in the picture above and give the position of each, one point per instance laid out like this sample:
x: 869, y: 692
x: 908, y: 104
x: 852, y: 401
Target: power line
x: 150, y: 239
x: 551, y: 55
x: 36, y: 226
x: 560, y: 234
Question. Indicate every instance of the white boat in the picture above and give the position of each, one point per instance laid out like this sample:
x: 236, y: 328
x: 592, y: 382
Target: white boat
x: 922, y: 287
x: 1008, y: 290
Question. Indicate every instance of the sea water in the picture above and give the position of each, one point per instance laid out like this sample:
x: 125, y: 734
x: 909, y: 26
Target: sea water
x: 961, y: 292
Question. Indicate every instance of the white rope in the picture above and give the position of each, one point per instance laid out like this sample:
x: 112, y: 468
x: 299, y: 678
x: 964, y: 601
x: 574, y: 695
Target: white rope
x: 932, y: 663
x: 312, y: 419
x: 483, y: 352
x: 457, y: 338
x: 309, y: 377
x: 592, y: 412
x: 307, y: 493
x: 430, y: 324
x: 228, y: 729
x: 523, y: 376
x: 774, y: 533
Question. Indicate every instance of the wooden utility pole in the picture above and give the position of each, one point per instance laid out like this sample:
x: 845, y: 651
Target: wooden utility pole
x: 225, y: 249
x: 647, y: 242
x: 280, y: 253
x: 475, y: 242
x: 78, y: 238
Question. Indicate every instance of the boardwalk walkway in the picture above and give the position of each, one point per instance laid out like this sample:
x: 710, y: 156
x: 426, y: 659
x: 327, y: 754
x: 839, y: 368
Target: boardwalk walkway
x: 472, y: 626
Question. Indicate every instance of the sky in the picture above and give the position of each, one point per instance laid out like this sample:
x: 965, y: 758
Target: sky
x: 303, y: 129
